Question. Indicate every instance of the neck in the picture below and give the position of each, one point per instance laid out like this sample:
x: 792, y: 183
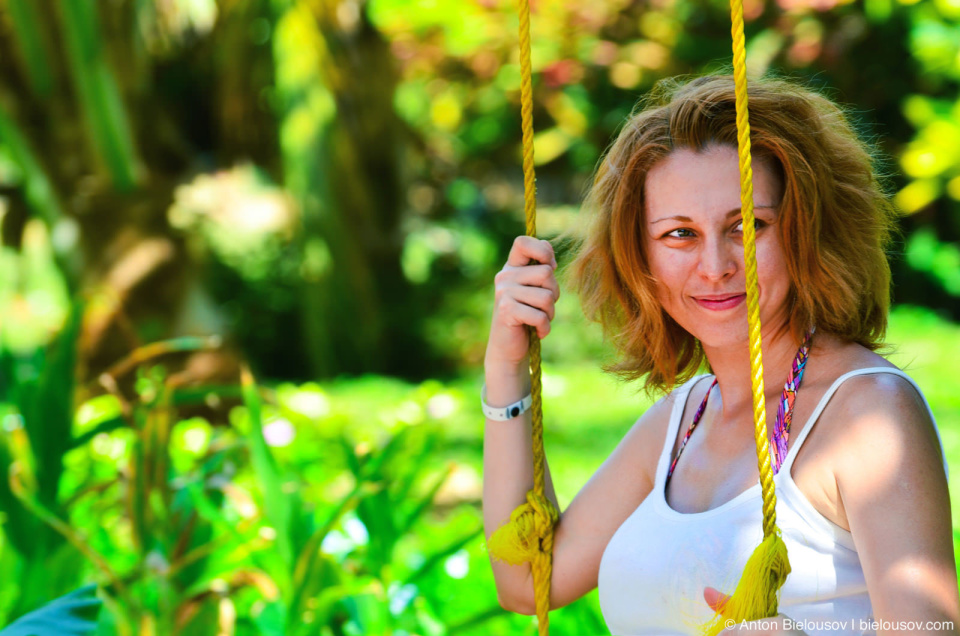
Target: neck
x: 731, y: 366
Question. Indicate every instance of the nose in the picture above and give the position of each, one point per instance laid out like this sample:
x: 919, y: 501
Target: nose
x: 718, y: 259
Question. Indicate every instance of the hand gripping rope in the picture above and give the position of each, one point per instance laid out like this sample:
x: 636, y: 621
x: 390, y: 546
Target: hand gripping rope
x: 528, y: 536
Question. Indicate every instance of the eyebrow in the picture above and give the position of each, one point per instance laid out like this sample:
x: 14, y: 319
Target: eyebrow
x: 734, y: 212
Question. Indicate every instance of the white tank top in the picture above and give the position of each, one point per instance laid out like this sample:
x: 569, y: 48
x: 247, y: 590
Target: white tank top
x: 655, y: 568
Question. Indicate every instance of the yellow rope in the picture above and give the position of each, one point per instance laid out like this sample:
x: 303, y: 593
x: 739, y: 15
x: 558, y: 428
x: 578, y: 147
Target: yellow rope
x: 528, y: 536
x: 767, y: 568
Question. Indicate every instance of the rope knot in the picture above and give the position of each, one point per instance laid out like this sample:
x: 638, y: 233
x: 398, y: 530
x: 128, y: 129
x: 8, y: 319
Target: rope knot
x: 528, y: 535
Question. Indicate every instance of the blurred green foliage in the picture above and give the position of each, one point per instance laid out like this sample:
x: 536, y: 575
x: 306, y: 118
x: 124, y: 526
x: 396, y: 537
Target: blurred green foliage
x: 342, y: 204
x: 293, y: 517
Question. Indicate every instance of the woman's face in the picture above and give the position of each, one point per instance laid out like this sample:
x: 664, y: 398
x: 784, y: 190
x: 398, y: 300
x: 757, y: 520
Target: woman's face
x: 694, y: 243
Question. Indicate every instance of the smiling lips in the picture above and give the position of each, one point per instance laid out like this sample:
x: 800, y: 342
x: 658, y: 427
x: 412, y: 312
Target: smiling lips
x: 720, y: 302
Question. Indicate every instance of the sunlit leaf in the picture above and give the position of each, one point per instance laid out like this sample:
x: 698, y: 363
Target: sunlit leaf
x: 276, y: 501
x: 917, y: 195
x: 549, y: 144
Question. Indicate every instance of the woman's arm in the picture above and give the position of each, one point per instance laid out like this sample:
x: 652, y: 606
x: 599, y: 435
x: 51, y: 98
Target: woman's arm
x: 525, y: 294
x: 894, y: 491
x: 508, y: 474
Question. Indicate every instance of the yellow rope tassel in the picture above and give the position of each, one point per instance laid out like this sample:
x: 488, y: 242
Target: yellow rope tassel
x: 528, y: 536
x: 756, y: 593
x: 767, y: 568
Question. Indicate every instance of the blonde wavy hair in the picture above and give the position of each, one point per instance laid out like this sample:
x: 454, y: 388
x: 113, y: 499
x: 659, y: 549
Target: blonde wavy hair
x: 836, y: 220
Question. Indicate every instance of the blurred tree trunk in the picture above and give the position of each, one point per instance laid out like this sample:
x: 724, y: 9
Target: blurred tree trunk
x: 117, y: 118
x: 109, y: 125
x: 359, y: 317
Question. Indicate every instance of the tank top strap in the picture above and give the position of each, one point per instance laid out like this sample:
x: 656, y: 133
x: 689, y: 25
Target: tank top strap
x: 681, y: 394
x: 812, y: 420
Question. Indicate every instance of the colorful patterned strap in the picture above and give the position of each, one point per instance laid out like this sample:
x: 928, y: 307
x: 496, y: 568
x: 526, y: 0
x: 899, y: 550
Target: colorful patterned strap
x: 781, y: 428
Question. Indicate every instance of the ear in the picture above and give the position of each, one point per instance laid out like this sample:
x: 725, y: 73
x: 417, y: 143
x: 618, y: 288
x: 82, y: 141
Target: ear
x: 714, y: 598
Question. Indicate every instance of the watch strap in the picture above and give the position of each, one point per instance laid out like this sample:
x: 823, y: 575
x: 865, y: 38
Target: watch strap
x: 505, y: 413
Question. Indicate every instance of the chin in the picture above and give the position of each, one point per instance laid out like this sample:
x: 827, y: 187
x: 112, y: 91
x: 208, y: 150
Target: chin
x: 732, y: 332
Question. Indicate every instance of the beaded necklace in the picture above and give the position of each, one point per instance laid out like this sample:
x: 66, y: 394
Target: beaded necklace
x: 781, y: 428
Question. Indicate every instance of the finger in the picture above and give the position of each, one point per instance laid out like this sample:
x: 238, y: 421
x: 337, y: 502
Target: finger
x: 715, y: 598
x: 515, y: 313
x: 535, y: 297
x: 530, y: 275
x: 528, y: 248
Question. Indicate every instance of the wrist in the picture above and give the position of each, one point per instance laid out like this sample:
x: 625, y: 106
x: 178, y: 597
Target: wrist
x: 504, y: 412
x: 503, y: 388
x: 506, y: 368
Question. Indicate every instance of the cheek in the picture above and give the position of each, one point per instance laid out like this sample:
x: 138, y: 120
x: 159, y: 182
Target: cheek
x: 664, y: 263
x: 655, y: 262
x: 771, y: 261
x: 669, y: 270
x: 662, y: 267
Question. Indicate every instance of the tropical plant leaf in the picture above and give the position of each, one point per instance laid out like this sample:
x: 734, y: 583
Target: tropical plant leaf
x: 106, y: 426
x: 74, y: 614
x: 304, y: 573
x: 107, y: 120
x: 36, y: 56
x: 278, y: 504
x: 440, y: 555
x: 38, y: 188
x: 47, y: 408
x: 417, y: 463
x: 425, y: 502
x: 20, y: 527
x: 350, y: 455
x: 44, y: 399
x: 471, y: 622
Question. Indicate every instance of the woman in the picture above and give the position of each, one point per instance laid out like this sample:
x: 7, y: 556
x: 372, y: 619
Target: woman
x: 666, y: 524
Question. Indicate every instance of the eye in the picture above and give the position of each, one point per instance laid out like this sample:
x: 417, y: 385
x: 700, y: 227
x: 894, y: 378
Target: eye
x: 757, y: 224
x: 671, y: 234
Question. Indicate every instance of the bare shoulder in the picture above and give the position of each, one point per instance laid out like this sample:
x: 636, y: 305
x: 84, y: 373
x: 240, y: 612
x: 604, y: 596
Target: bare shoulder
x: 885, y: 423
x: 885, y: 408
x: 861, y: 399
x: 865, y: 393
x: 867, y: 429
